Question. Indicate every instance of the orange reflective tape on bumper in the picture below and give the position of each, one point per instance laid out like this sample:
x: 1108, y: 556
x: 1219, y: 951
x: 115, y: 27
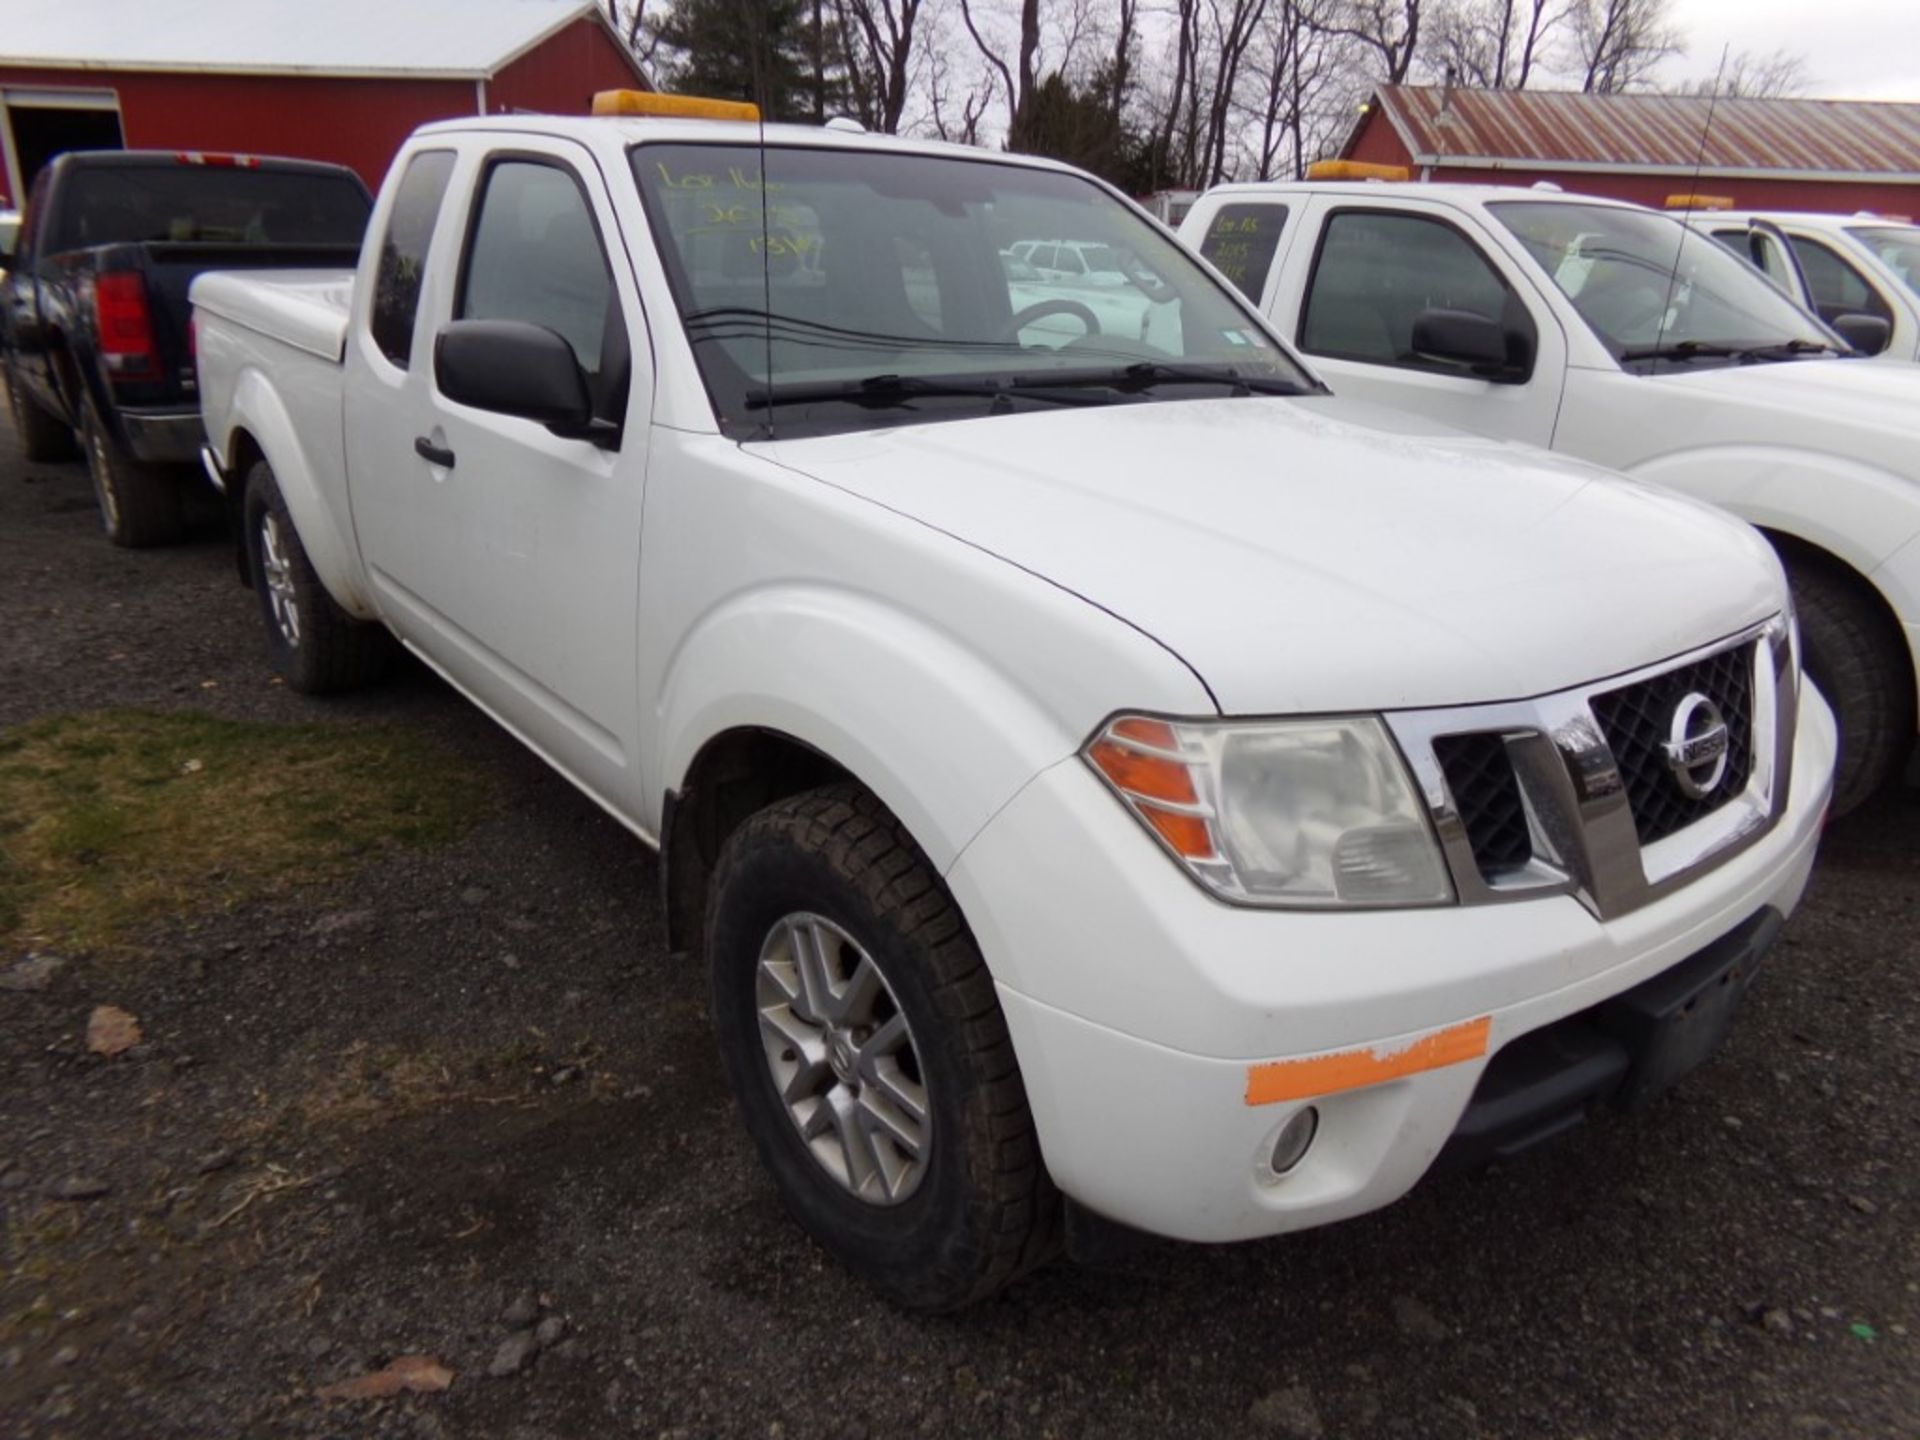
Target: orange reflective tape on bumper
x: 1317, y: 1075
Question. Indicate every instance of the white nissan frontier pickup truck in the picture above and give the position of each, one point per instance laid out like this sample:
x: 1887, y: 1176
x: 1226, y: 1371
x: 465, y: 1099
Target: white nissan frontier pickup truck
x: 1110, y: 780
x: 1614, y: 334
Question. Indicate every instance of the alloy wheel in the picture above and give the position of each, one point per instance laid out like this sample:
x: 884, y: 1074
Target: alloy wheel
x: 842, y: 1059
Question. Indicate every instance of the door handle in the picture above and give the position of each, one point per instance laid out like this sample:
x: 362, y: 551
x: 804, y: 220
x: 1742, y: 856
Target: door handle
x: 432, y: 453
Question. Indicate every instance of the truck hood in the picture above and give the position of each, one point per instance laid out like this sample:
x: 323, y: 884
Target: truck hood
x: 1322, y: 554
x: 1867, y: 411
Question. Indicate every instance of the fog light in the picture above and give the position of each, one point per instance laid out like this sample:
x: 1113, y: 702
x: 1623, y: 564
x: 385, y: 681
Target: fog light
x: 1290, y: 1146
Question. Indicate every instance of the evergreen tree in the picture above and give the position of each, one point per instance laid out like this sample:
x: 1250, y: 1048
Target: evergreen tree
x: 778, y: 53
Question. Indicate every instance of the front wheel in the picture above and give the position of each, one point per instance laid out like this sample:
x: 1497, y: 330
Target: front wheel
x: 867, y: 1050
x: 315, y: 645
x: 1859, y: 662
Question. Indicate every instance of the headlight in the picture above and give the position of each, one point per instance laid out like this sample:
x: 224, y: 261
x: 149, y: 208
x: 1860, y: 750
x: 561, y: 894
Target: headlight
x: 1316, y: 813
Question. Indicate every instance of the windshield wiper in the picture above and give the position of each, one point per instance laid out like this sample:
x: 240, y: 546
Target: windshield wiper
x: 888, y: 391
x: 1788, y: 350
x: 1726, y: 350
x: 1682, y: 350
x: 1146, y: 374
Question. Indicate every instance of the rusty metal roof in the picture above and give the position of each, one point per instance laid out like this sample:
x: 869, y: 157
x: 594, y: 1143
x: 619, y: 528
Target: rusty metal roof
x: 1654, y: 134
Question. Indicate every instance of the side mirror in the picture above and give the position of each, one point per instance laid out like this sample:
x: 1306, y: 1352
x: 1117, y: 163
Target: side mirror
x: 513, y: 368
x: 1460, y: 337
x: 1869, y: 334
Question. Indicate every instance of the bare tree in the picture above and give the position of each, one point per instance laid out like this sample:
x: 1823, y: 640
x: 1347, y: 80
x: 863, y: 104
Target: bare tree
x: 1017, y: 77
x: 1389, y: 29
x: 1494, y: 44
x: 1304, y: 86
x: 1757, y: 77
x: 1619, y: 42
x: 1232, y: 26
x: 879, y: 39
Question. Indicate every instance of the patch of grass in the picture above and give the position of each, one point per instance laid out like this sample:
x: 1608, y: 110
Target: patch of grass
x: 113, y: 819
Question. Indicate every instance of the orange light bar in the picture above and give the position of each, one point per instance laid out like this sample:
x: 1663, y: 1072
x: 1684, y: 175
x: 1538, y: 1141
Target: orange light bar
x: 672, y: 107
x: 1319, y: 1075
x: 1699, y: 202
x: 1356, y: 170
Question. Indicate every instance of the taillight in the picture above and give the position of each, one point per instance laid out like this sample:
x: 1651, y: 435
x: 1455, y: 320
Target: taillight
x: 124, y: 324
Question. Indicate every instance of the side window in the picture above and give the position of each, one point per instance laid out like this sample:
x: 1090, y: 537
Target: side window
x: 1838, y: 289
x: 403, y: 252
x: 534, y: 255
x: 1377, y: 271
x: 1069, y: 262
x: 1241, y: 241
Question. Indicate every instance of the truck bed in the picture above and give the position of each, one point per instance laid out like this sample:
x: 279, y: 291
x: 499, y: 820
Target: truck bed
x: 306, y: 310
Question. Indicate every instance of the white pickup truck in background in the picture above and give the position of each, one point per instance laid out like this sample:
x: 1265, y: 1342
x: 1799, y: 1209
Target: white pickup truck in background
x: 1100, y: 764
x: 1837, y: 266
x: 1613, y: 334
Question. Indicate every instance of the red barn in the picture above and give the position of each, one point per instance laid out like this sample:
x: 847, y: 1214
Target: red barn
x: 1832, y: 155
x: 340, y: 80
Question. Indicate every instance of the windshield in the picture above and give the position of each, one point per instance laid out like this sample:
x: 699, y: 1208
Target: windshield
x: 1898, y: 248
x: 1645, y: 283
x: 900, y: 288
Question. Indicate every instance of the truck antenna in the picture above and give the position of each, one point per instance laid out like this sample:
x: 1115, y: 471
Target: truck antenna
x: 1699, y: 164
x: 762, y: 98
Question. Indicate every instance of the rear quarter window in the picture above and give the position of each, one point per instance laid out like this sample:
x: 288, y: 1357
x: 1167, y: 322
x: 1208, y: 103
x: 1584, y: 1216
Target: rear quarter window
x: 1241, y: 241
x: 403, y: 252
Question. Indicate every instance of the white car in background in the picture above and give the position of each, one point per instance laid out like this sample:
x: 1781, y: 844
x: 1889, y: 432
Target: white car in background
x: 1838, y: 266
x: 1613, y: 334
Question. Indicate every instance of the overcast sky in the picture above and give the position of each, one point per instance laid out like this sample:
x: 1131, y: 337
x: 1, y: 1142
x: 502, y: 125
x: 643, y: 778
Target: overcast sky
x: 1855, y: 49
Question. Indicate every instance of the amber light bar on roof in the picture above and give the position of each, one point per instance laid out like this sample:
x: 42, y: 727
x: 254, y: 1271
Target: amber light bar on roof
x: 1356, y: 170
x: 672, y: 107
x: 1699, y: 202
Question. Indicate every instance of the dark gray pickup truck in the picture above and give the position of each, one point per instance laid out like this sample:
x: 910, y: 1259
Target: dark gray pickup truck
x: 95, y: 332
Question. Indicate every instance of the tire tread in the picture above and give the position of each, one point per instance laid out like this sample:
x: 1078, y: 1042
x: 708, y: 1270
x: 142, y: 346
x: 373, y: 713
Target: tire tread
x: 1016, y: 1214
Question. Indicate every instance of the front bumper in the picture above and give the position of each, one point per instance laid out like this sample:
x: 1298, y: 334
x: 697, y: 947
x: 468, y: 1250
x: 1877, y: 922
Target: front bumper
x: 163, y: 437
x: 1166, y: 1038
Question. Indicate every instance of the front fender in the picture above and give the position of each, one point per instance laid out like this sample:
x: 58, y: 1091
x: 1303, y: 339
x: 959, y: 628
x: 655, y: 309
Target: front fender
x: 1860, y: 514
x: 933, y: 727
x: 300, y: 457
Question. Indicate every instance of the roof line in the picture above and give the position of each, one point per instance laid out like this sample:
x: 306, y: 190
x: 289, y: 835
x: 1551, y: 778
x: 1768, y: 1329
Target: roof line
x: 156, y: 67
x: 1705, y: 172
x: 545, y: 35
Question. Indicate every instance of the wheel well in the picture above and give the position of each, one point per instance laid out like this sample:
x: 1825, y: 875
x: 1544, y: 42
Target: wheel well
x: 734, y: 775
x: 1795, y: 550
x: 246, y: 453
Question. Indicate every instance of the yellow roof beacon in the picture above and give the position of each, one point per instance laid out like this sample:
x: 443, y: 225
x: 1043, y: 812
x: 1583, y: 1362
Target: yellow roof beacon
x: 1699, y: 202
x: 672, y: 107
x: 1356, y: 170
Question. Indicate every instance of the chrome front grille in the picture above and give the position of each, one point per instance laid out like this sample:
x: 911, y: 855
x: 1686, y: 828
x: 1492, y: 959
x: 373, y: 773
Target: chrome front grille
x: 1486, y: 796
x: 1616, y: 792
x: 1636, y: 718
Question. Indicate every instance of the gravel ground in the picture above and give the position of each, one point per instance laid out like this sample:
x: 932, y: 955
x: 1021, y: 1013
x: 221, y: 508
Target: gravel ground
x: 467, y: 1093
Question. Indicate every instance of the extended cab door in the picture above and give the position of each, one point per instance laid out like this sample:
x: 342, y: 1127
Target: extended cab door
x: 513, y: 560
x: 1361, y: 270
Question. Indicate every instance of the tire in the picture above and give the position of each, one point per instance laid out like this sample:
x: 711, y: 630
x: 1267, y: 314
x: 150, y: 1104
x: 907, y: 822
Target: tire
x: 141, y: 505
x: 978, y: 1210
x: 315, y: 646
x: 43, y: 436
x: 1860, y: 664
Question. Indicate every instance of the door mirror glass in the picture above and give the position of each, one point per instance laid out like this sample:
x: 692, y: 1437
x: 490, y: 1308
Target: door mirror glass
x: 514, y: 368
x: 1869, y: 334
